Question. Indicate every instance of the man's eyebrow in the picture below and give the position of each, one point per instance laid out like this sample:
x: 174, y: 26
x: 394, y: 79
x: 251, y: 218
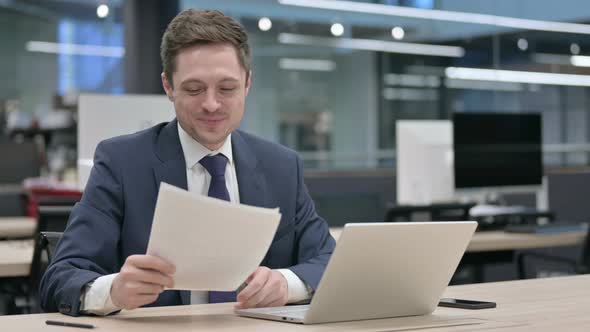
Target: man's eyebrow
x: 230, y: 79
x: 198, y: 81
x: 191, y: 80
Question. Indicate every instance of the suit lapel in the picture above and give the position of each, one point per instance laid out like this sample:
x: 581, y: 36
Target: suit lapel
x: 172, y: 172
x: 250, y: 179
x: 171, y: 168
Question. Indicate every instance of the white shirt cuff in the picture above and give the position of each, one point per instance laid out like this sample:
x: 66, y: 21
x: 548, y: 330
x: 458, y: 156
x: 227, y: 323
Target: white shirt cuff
x: 297, y: 289
x: 96, y: 298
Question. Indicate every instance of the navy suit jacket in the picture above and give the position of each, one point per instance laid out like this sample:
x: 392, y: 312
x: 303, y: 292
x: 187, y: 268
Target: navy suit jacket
x: 114, y: 217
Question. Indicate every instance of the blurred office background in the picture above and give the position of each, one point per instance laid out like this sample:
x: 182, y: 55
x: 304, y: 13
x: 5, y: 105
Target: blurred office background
x: 330, y: 80
x: 329, y: 83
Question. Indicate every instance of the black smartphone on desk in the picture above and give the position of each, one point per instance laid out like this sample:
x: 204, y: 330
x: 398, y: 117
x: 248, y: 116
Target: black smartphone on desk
x: 465, y: 304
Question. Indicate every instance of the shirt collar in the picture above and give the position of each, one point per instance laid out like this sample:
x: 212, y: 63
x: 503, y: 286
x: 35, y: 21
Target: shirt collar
x: 195, y: 151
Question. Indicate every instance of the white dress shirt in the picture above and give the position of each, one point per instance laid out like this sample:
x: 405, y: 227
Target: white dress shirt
x: 96, y: 297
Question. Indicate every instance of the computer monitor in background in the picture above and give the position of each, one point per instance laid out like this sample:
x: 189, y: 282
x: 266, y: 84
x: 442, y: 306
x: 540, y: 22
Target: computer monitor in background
x: 105, y: 116
x: 424, y: 159
x: 498, y: 151
x: 19, y: 161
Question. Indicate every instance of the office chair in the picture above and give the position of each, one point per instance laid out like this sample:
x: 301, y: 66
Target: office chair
x: 22, y: 292
x: 52, y: 221
x: 49, y: 241
x: 581, y: 266
x: 46, y: 243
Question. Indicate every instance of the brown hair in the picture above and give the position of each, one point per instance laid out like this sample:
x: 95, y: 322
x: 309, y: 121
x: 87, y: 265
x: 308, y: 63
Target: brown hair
x: 197, y: 27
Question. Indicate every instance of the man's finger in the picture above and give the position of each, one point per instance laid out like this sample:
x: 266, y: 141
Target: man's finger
x: 145, y: 275
x: 257, y: 298
x: 152, y: 262
x: 277, y: 303
x: 139, y: 300
x: 145, y: 288
x: 270, y: 299
x: 258, y: 281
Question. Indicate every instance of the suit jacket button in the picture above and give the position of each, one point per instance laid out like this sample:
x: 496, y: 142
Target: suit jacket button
x: 65, y: 308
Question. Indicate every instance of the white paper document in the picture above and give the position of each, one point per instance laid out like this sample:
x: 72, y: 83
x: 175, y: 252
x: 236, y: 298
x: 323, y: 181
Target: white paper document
x: 214, y: 244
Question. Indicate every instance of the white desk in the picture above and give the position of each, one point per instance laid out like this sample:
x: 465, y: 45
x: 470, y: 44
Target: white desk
x: 539, y: 305
x: 15, y: 227
x: 16, y: 257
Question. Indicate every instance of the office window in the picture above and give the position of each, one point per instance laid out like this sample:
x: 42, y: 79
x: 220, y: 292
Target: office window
x: 97, y: 67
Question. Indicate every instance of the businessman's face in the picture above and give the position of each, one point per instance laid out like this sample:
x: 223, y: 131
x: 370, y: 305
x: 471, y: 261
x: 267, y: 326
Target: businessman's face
x: 209, y: 89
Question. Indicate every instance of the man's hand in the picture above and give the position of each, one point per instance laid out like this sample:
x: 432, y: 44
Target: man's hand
x: 266, y: 288
x: 141, y: 279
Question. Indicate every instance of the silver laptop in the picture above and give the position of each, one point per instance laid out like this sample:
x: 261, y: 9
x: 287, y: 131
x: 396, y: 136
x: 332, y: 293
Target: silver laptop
x: 381, y: 270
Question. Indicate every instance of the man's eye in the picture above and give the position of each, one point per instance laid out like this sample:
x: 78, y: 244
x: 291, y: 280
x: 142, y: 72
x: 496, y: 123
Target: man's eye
x: 194, y: 91
x: 227, y: 89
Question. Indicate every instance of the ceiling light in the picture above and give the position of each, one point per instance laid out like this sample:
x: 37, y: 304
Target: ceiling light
x: 373, y: 45
x: 102, y: 11
x: 307, y: 64
x: 494, y: 75
x: 483, y: 85
x: 411, y: 80
x: 398, y: 33
x: 441, y: 15
x: 264, y: 24
x: 552, y: 59
x: 580, y: 61
x: 75, y: 49
x: 522, y: 44
x: 408, y: 94
x: 337, y: 29
x: 575, y: 49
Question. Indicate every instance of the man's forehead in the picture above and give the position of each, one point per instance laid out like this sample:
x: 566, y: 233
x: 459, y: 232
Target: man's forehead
x: 204, y: 63
x: 210, y: 51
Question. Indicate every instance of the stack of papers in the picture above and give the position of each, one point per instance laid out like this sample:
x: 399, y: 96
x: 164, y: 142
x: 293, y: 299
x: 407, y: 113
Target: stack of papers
x: 214, y: 244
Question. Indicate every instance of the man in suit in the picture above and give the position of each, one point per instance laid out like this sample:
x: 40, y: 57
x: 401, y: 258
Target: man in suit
x: 100, y: 264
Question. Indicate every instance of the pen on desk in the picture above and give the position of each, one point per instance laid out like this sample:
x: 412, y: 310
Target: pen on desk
x: 59, y: 323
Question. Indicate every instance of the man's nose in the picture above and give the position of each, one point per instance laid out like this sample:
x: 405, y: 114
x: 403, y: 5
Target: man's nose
x: 211, y: 104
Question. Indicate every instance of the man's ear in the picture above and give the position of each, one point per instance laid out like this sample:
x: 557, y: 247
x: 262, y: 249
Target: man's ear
x: 248, y: 82
x: 167, y: 87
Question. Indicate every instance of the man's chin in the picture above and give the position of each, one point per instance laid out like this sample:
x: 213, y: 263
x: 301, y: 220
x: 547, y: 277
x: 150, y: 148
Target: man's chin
x: 212, y: 142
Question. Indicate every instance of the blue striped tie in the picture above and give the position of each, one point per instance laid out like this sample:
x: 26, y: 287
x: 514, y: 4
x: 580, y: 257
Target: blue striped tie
x: 215, y: 165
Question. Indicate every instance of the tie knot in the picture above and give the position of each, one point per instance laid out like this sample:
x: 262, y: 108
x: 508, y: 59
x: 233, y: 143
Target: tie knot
x: 215, y: 165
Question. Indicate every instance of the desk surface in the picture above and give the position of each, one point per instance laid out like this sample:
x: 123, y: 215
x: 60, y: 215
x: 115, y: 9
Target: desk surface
x: 499, y: 240
x: 12, y: 227
x: 528, y: 305
x: 16, y: 257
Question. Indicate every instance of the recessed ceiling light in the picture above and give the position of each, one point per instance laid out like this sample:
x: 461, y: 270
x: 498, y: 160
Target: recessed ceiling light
x: 575, y: 49
x: 264, y: 24
x: 102, y: 11
x: 522, y: 44
x: 337, y: 29
x: 398, y: 33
